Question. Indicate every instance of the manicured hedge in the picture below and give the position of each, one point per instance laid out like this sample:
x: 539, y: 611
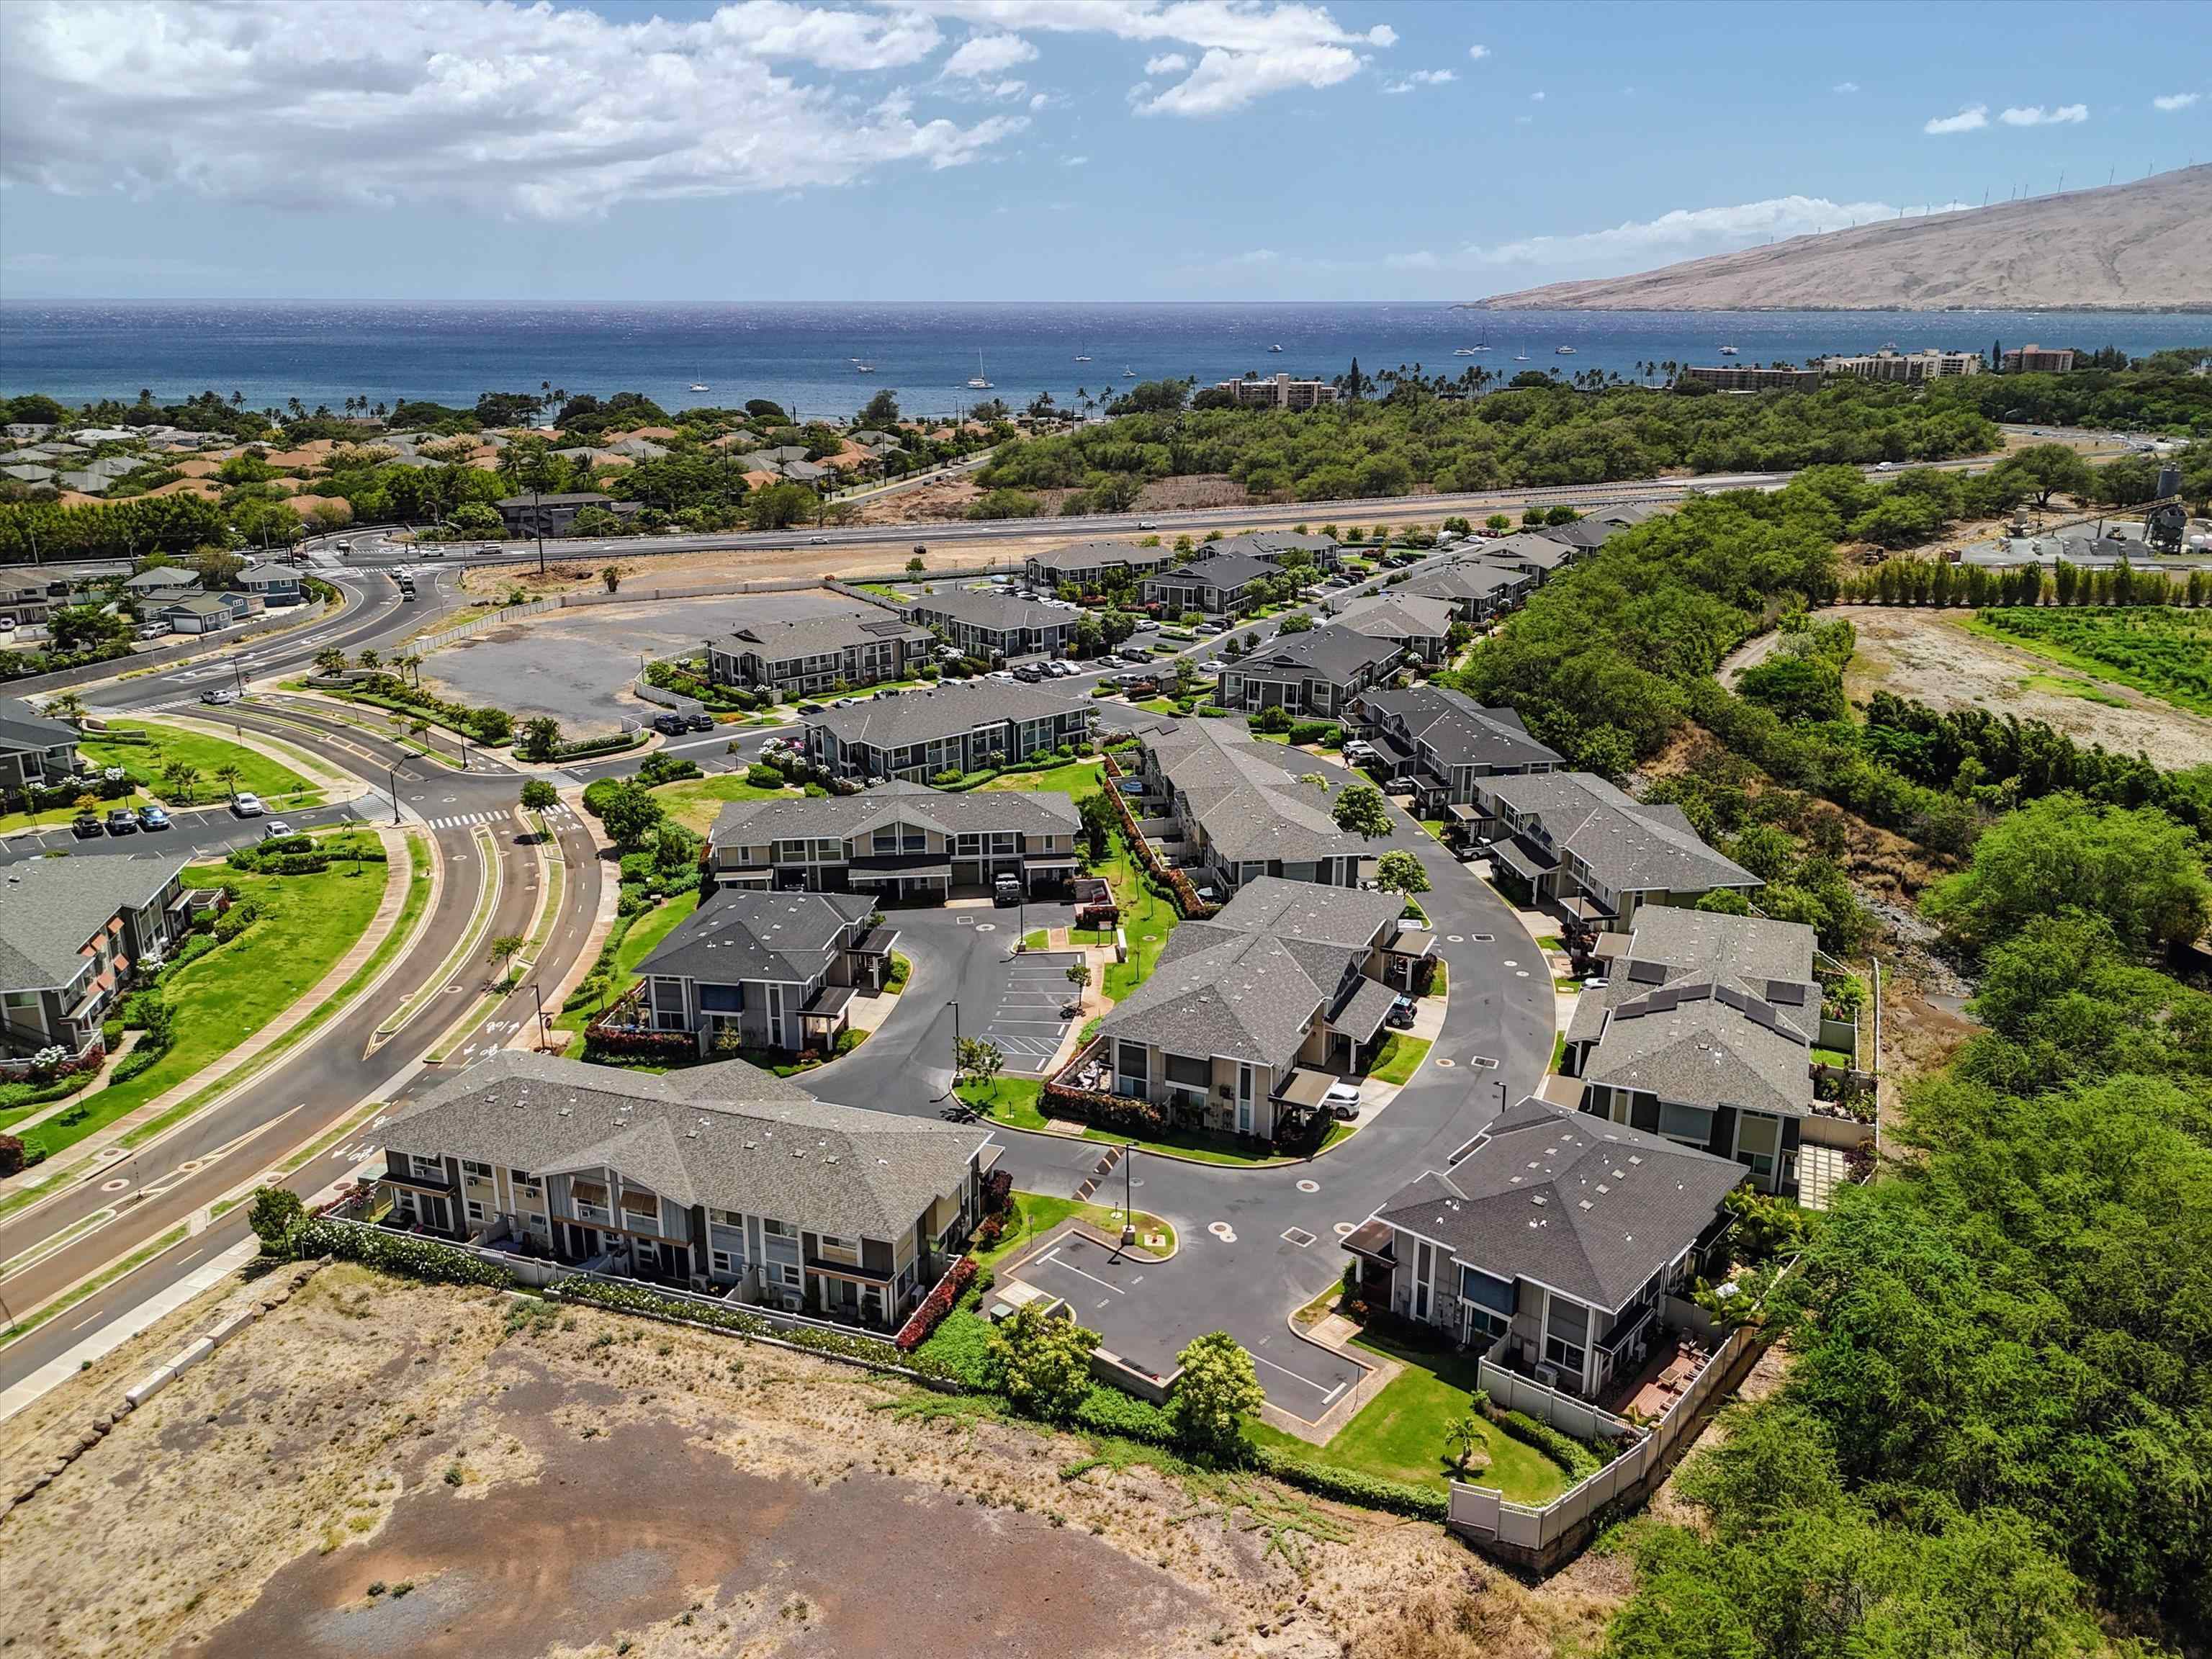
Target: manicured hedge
x: 1350, y: 1487
x: 935, y: 1306
x: 1579, y: 1461
x: 408, y: 1254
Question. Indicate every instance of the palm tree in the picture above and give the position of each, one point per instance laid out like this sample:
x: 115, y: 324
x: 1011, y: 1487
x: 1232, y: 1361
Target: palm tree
x: 229, y: 777
x: 182, y: 778
x: 67, y: 707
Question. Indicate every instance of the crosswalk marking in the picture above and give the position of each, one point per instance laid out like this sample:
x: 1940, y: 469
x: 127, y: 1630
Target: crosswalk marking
x: 464, y: 820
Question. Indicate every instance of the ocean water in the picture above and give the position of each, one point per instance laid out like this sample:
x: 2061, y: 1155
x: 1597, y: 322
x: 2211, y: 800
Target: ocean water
x: 806, y: 356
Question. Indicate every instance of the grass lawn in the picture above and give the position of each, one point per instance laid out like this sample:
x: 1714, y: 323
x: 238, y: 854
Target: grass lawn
x: 1212, y: 1149
x: 1401, y: 1057
x: 1036, y: 939
x: 1147, y: 918
x: 1400, y: 1434
x: 1835, y: 1057
x: 1009, y: 1100
x: 308, y: 922
x: 645, y: 931
x: 1558, y: 1049
x: 1158, y: 706
x: 1038, y: 1213
x: 1075, y: 778
x: 694, y: 802
x: 272, y: 781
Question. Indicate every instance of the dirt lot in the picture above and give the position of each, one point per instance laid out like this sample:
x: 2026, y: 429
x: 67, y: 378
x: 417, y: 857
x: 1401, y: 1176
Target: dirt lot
x: 379, y: 1467
x: 1927, y: 656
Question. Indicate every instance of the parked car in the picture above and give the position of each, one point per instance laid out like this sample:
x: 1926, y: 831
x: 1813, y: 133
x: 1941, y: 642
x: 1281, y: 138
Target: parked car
x: 670, y: 725
x: 86, y: 824
x: 1401, y: 1017
x: 121, y: 821
x: 219, y: 695
x: 1134, y: 653
x: 246, y: 805
x: 153, y: 817
x: 1342, y: 1099
x: 153, y: 630
x: 1029, y: 673
x: 275, y: 829
x: 699, y: 722
x: 1006, y: 889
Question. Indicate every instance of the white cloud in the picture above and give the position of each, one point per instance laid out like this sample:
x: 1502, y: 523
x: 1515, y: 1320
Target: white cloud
x: 1168, y: 63
x: 1684, y: 233
x: 1075, y: 161
x: 1038, y: 100
x: 2173, y: 101
x: 1421, y: 78
x: 1535, y: 97
x: 2037, y: 116
x: 486, y: 103
x: 1478, y: 53
x: 1969, y: 119
x: 1845, y: 87
x: 982, y: 56
x: 1246, y: 49
x: 1417, y: 259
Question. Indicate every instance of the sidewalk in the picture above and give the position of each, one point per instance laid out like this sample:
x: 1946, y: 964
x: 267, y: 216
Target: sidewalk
x: 398, y: 873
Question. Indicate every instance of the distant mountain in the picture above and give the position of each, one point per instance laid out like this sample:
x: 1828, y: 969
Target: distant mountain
x: 2144, y: 247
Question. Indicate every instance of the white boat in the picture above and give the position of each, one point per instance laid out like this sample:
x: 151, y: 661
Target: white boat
x: 1081, y: 356
x: 1727, y: 351
x: 1274, y: 347
x: 1129, y: 374
x: 1520, y: 356
x: 860, y: 367
x: 976, y: 382
x: 701, y: 386
x: 1563, y: 351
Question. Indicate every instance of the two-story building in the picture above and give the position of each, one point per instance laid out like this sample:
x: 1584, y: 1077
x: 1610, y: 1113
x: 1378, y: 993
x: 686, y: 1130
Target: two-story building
x: 1234, y: 809
x: 73, y: 932
x: 1091, y: 566
x: 36, y: 752
x: 954, y: 727
x: 1417, y: 624
x: 1438, y: 742
x: 996, y: 626
x: 1314, y: 674
x: 1221, y: 585
x: 1572, y: 837
x: 722, y: 1178
x: 816, y: 654
x: 273, y: 582
x: 1248, y: 1018
x: 24, y: 601
x: 149, y: 590
x: 1549, y: 1243
x: 1284, y: 549
x: 1477, y: 589
x: 767, y: 969
x: 898, y: 840
x: 207, y: 613
x: 523, y: 516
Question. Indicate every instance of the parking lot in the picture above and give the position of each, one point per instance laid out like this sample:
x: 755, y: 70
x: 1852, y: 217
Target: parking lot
x: 1025, y: 1023
x: 1148, y: 1312
x: 576, y: 666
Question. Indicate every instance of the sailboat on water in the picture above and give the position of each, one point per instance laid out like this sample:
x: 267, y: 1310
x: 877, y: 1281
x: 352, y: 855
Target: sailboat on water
x: 976, y: 382
x: 1081, y: 356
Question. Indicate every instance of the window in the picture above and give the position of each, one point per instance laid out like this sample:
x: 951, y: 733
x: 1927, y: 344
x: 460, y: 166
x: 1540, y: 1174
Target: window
x: 832, y: 1242
x: 476, y: 1211
x: 1566, y: 1329
x: 1189, y: 1073
x: 1482, y: 1324
x: 722, y: 1263
x: 776, y: 1229
x: 1693, y: 1124
x: 481, y: 1171
x: 793, y: 1277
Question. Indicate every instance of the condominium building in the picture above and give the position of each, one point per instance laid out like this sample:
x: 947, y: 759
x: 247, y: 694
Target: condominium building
x: 820, y: 653
x: 1279, y: 392
x: 1910, y: 367
x: 2038, y: 360
x: 1747, y: 377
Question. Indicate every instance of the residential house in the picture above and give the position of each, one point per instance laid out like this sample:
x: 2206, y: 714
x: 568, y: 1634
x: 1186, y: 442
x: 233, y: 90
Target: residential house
x: 899, y: 840
x: 28, y: 473
x: 1225, y: 585
x: 1477, y: 588
x: 161, y: 585
x: 996, y: 626
x: 1549, y: 1243
x: 555, y: 516
x: 273, y: 582
x: 1230, y: 810
x: 1283, y: 549
x: 35, y: 752
x: 952, y: 727
x: 1583, y: 535
x: 26, y: 432
x: 1090, y: 565
x: 1439, y: 742
x: 23, y: 598
x: 77, y: 930
x: 207, y: 613
x: 1417, y: 624
x: 1537, y: 552
x: 1314, y: 674
x: 767, y: 969
x: 722, y: 1178
x: 814, y: 654
x: 1576, y: 839
x: 1243, y: 1024
x: 1704, y: 1033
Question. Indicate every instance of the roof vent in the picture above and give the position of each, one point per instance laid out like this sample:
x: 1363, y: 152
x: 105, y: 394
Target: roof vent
x: 566, y: 1112
x: 1585, y: 1204
x: 1633, y: 1158
x: 1602, y: 1187
x: 1538, y: 1200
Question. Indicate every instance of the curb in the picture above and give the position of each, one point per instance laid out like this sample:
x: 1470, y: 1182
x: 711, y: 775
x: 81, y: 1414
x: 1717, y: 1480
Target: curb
x: 1178, y: 1158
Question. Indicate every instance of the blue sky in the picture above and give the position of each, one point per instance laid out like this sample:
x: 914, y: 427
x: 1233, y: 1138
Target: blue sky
x: 985, y: 149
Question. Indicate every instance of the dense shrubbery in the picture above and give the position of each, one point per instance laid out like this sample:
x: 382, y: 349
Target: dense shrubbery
x: 407, y: 1255
x: 1577, y: 1462
x: 1350, y: 1487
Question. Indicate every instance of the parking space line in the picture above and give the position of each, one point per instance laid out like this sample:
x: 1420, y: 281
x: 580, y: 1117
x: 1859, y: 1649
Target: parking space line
x: 1053, y: 1256
x: 1261, y: 1359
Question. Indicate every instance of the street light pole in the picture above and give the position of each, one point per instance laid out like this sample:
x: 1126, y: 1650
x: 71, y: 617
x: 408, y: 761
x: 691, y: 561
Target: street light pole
x: 392, y: 773
x: 538, y: 518
x: 1129, y: 1188
x: 537, y: 991
x: 950, y: 1087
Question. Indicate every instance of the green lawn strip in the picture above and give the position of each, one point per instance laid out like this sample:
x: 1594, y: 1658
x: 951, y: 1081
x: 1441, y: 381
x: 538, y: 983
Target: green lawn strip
x: 1835, y: 1057
x: 1012, y: 1101
x: 1558, y: 1049
x: 69, y: 1298
x: 1400, y: 1434
x: 556, y: 867
x: 1213, y: 1149
x: 1038, y: 1213
x: 403, y: 929
x: 19, y: 1100
x: 2065, y: 685
x: 633, y: 943
x: 1147, y: 918
x: 1036, y: 939
x: 1075, y: 778
x: 258, y: 773
x: 394, y: 734
x: 307, y: 923
x: 2157, y: 650
x: 696, y: 802
x: 1401, y: 1057
x: 479, y: 923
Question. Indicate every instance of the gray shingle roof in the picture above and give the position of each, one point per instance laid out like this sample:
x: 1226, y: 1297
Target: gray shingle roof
x: 52, y: 906
x: 740, y: 935
x: 1243, y: 997
x: 1336, y: 653
x: 1706, y: 1045
x: 1753, y: 953
x: 944, y: 711
x: 1586, y: 1208
x: 22, y: 726
x: 1401, y: 616
x: 1032, y: 811
x: 1003, y: 612
x: 1227, y: 571
x: 821, y: 636
x: 1460, y: 730
x: 1629, y: 846
x: 727, y: 1135
x: 1272, y: 545
x: 1246, y: 794
x: 1092, y: 555
x: 1302, y: 909
x: 162, y: 579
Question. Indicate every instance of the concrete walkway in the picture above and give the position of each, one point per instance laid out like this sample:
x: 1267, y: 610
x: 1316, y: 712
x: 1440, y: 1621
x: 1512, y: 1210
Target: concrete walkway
x: 237, y: 1061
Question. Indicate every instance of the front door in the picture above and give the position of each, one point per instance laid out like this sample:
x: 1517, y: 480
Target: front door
x: 1243, y: 1100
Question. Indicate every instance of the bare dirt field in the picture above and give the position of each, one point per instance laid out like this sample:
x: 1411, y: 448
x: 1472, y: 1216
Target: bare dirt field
x: 379, y: 1467
x: 1927, y: 656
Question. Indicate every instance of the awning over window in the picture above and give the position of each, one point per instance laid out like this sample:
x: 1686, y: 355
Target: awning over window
x: 1516, y: 858
x: 1306, y: 1089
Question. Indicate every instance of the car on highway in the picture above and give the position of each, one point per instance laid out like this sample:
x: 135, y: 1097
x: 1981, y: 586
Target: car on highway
x: 246, y: 805
x: 153, y: 817
x: 816, y: 541
x: 276, y: 830
x: 1342, y: 1099
x: 121, y: 821
x: 1147, y: 524
x: 219, y: 695
x: 432, y: 550
x: 86, y: 825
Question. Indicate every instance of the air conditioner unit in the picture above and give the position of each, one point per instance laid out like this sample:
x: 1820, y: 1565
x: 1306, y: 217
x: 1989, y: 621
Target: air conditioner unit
x: 1548, y: 1375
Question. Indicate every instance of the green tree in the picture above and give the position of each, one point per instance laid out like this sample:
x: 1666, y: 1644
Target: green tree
x: 1078, y: 976
x: 881, y: 412
x: 2048, y: 470
x: 276, y: 1214
x: 1359, y: 810
x: 1043, y: 1364
x: 1219, y: 1388
x: 502, y: 951
x: 978, y: 1060
x: 539, y: 795
x: 1399, y: 871
x: 626, y: 810
x: 1463, y: 1437
x: 612, y: 575
x: 1099, y: 820
x: 540, y: 739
